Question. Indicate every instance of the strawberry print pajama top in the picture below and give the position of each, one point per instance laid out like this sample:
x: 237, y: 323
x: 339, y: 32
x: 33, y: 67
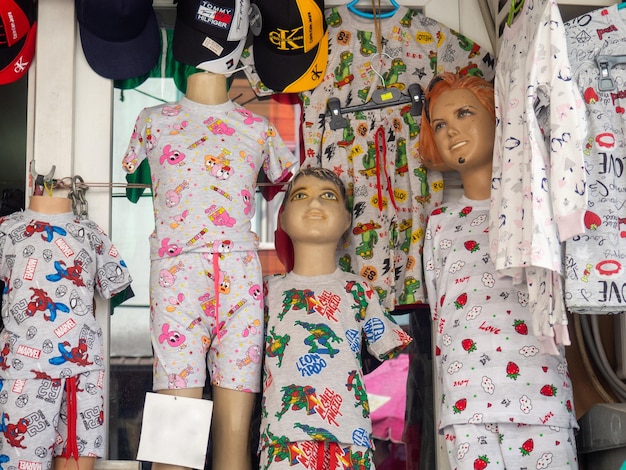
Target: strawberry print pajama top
x: 489, y: 363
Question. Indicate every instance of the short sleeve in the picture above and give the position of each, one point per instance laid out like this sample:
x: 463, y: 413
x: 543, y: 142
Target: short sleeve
x: 112, y: 275
x: 279, y: 161
x: 383, y: 336
x: 136, y: 151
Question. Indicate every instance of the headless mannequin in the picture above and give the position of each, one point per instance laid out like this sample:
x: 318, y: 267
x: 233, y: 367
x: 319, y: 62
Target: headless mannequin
x: 60, y: 205
x: 232, y: 410
x: 50, y: 205
x: 207, y: 88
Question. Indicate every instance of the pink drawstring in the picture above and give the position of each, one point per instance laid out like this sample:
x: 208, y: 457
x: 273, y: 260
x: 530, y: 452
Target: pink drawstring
x: 216, y: 285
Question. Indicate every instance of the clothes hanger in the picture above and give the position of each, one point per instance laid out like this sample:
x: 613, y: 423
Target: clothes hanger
x: 379, y: 100
x: 383, y: 96
x: 516, y: 6
x: 387, y: 14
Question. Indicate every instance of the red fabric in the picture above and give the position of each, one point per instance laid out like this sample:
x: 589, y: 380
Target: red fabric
x: 71, y: 446
x: 284, y: 247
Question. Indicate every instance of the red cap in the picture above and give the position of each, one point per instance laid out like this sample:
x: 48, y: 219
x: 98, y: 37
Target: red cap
x: 18, y: 30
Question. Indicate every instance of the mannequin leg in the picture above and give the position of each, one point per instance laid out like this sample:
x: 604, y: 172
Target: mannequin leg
x: 232, y: 415
x: 188, y: 393
x: 84, y: 463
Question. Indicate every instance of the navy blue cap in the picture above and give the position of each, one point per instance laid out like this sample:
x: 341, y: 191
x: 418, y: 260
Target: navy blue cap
x: 120, y: 38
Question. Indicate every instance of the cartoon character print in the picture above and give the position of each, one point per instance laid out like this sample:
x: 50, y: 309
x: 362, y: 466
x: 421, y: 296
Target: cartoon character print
x: 169, y: 249
x: 129, y: 162
x: 253, y: 356
x: 218, y: 127
x: 71, y: 273
x: 256, y: 292
x: 219, y: 216
x: 175, y: 302
x: 171, y: 111
x: 6, y: 349
x: 47, y: 230
x: 250, y: 118
x: 173, y: 196
x: 40, y: 301
x: 14, y: 433
x: 151, y: 139
x: 171, y: 156
x: 246, y: 197
x: 173, y: 338
x: 218, y: 166
x: 76, y: 355
x: 179, y: 381
x: 167, y: 277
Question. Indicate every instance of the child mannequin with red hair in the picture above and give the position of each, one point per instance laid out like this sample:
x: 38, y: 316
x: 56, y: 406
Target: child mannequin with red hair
x: 501, y: 403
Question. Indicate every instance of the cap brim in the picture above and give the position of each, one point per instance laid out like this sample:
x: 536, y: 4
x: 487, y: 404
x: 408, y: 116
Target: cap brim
x: 195, y: 48
x: 15, y: 61
x: 290, y: 73
x: 123, y: 60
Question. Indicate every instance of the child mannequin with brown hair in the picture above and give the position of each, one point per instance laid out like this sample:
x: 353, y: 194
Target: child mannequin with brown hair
x: 501, y: 403
x: 315, y: 411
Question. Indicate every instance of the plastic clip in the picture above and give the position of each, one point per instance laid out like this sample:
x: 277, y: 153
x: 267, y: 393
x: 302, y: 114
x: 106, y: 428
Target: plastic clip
x: 416, y: 94
x: 605, y: 63
x: 337, y: 121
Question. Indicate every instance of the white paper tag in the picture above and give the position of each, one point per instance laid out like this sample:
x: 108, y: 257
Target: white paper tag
x: 213, y: 46
x: 175, y: 430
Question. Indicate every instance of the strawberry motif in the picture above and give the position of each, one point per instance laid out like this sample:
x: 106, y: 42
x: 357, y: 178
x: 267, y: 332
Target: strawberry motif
x: 481, y: 462
x: 521, y: 327
x: 548, y: 390
x: 568, y: 405
x: 465, y: 211
x: 544, y: 368
x: 527, y: 447
x: 441, y: 300
x: 460, y: 301
x: 512, y: 370
x: 468, y: 345
x: 437, y: 351
x: 439, y: 210
x: 471, y: 246
x: 460, y: 405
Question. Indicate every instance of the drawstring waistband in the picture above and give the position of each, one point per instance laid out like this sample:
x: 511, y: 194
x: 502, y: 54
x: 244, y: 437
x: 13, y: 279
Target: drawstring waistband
x: 216, y: 285
x: 381, y: 151
x: 322, y: 451
x: 71, y: 447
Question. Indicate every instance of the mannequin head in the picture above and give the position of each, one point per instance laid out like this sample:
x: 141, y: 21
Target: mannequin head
x: 315, y: 207
x: 457, y: 108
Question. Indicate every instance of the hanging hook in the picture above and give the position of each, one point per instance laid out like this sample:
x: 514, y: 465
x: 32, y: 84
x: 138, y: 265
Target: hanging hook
x: 381, y: 63
x: 352, y: 6
x: 41, y: 181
